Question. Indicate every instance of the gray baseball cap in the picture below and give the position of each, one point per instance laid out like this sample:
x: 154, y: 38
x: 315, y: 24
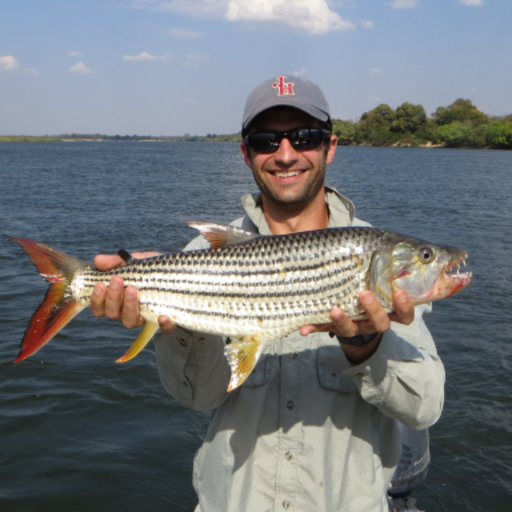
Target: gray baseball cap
x: 289, y: 92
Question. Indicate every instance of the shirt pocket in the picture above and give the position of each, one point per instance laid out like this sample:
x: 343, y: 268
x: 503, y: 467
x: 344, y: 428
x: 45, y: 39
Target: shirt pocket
x: 330, y: 365
x: 264, y: 371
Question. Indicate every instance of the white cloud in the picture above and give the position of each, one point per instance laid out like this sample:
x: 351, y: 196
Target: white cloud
x: 367, y: 24
x: 145, y: 56
x: 376, y: 71
x: 313, y: 16
x: 81, y: 69
x: 193, y: 60
x: 477, y: 3
x: 404, y: 4
x: 10, y: 64
x: 75, y: 54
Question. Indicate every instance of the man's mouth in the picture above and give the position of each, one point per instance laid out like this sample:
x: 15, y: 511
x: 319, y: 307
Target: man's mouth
x: 286, y: 174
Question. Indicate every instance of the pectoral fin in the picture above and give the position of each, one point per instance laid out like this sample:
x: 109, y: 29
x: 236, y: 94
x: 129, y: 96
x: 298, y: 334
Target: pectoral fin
x: 242, y: 356
x: 150, y: 327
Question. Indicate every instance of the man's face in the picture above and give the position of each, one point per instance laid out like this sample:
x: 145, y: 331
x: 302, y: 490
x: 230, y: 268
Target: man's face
x: 288, y: 176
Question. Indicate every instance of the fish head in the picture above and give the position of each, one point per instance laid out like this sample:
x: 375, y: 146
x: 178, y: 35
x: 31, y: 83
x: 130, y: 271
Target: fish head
x: 426, y: 271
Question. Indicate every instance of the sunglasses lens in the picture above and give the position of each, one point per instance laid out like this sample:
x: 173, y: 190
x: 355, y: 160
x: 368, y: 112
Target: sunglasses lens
x: 300, y: 139
x: 264, y: 142
x: 305, y: 138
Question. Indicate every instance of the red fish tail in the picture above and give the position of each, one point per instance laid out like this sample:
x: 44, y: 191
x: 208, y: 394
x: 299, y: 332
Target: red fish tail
x: 58, y: 307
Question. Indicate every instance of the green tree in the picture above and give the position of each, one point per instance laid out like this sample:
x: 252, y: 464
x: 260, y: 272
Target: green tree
x: 460, y: 110
x: 460, y: 135
x: 375, y: 126
x: 409, y: 118
x: 499, y: 135
x: 345, y: 131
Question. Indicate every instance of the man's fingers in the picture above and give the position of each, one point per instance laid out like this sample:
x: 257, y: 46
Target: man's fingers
x: 98, y: 299
x: 145, y: 254
x: 114, y: 298
x: 404, y: 308
x: 107, y: 261
x: 110, y: 261
x: 377, y: 316
x: 341, y: 324
x: 130, y: 314
x: 166, y: 324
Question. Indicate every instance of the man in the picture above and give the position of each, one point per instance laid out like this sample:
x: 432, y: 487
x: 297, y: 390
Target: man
x: 315, y: 426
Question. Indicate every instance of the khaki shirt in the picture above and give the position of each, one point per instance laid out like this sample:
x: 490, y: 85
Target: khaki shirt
x: 307, y: 431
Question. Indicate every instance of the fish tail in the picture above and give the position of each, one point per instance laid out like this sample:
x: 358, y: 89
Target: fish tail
x: 58, y: 307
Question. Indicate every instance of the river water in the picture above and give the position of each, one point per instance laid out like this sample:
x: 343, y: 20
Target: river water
x: 79, y: 432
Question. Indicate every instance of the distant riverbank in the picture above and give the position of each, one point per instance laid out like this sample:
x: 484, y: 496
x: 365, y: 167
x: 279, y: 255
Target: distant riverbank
x: 460, y: 125
x: 118, y: 138
x: 196, y: 138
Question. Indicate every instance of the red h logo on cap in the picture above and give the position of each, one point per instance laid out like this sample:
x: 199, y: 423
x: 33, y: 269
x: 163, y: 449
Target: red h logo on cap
x: 283, y: 88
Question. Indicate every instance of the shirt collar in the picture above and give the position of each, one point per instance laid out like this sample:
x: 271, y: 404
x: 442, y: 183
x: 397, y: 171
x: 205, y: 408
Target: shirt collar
x: 341, y: 210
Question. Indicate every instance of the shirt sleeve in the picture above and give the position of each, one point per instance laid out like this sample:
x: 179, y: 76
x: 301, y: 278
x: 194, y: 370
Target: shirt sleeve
x: 405, y: 377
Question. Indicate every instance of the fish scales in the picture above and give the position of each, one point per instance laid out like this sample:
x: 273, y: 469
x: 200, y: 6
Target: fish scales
x: 269, y: 285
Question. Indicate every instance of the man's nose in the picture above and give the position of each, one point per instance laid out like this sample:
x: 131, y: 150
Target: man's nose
x: 286, y: 152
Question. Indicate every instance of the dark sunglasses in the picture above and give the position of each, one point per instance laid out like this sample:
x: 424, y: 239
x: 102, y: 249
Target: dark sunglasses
x: 300, y: 139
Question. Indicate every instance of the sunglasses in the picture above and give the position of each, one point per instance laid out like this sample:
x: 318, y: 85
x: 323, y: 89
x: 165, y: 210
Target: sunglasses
x: 300, y: 139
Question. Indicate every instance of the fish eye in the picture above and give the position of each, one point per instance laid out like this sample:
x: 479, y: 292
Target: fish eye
x: 426, y: 254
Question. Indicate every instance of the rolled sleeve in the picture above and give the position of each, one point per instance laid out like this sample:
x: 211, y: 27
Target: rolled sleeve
x: 405, y: 377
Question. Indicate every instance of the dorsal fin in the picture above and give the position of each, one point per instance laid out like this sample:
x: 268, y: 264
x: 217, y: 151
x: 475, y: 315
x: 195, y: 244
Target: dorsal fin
x: 219, y: 235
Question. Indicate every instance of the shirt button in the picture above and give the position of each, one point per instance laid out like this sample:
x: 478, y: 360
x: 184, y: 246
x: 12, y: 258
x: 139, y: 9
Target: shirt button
x: 286, y: 505
x: 288, y: 456
x: 293, y: 355
x: 290, y: 404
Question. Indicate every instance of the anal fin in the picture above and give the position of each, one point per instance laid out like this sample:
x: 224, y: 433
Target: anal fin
x: 150, y: 327
x: 242, y: 356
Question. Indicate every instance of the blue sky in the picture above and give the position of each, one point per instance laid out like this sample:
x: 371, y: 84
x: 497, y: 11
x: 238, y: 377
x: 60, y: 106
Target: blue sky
x: 156, y: 67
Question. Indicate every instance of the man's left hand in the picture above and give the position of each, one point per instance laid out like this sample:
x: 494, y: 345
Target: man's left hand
x: 377, y: 321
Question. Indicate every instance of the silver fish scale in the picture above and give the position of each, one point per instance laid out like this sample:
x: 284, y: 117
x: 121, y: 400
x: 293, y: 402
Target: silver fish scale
x: 268, y: 286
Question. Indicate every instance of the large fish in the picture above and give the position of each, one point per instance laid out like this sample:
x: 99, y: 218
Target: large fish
x: 251, y: 288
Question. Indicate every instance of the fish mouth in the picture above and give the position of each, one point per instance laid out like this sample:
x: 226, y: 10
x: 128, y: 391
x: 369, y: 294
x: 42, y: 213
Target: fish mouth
x: 452, y: 279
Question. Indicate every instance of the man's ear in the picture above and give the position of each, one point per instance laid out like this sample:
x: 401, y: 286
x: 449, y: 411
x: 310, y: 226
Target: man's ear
x: 245, y: 154
x: 331, y: 149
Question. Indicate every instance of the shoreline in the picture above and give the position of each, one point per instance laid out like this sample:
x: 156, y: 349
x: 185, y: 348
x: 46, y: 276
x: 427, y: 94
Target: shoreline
x: 24, y: 139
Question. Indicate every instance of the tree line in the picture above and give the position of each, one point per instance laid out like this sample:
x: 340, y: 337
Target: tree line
x: 460, y: 125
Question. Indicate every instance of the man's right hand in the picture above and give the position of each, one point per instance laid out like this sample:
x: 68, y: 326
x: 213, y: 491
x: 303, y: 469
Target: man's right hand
x: 117, y: 302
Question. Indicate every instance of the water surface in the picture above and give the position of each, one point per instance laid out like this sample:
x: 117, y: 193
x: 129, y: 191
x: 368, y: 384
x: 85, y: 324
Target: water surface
x: 79, y: 432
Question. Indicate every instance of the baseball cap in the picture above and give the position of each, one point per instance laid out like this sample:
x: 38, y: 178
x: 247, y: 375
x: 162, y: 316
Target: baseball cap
x: 288, y: 92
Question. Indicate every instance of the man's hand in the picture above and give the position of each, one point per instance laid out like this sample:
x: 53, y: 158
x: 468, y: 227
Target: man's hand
x: 378, y: 321
x: 117, y: 302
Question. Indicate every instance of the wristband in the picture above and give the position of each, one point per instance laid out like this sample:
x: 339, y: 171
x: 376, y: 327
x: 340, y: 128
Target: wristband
x: 358, y: 341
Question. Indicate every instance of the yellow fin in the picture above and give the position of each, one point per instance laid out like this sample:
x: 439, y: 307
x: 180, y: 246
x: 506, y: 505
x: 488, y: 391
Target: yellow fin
x: 242, y: 356
x: 150, y: 327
